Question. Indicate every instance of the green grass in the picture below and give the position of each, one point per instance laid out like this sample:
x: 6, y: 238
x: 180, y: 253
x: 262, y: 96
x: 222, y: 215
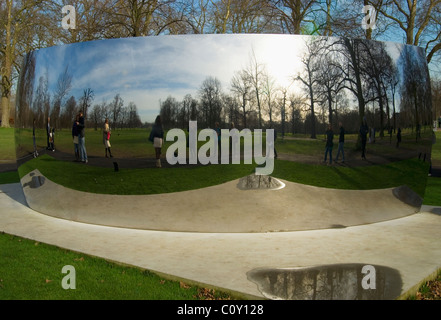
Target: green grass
x: 356, y: 178
x: 33, y: 270
x: 432, y: 196
x: 153, y: 181
x: 134, y: 181
x: 9, y: 177
x: 7, y: 145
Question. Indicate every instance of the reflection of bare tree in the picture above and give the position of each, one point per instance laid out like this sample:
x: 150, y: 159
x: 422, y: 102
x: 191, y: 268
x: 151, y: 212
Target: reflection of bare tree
x: 64, y: 84
x: 25, y: 91
x: 211, y: 101
x: 68, y: 114
x: 329, y: 84
x: 309, y: 78
x: 257, y: 74
x: 241, y: 86
x: 379, y: 71
x: 41, y: 103
x: 86, y: 101
x: 269, y: 90
x: 416, y: 93
x: 116, y: 108
x: 295, y: 104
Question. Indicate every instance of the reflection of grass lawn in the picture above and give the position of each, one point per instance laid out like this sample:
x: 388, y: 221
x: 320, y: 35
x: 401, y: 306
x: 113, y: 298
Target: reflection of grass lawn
x: 153, y: 180
x: 134, y: 181
x: 133, y: 143
x: 7, y: 144
x: 356, y: 178
x: 433, y: 191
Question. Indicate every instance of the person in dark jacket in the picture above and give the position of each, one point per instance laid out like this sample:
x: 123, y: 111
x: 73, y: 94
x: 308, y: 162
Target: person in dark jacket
x: 329, y: 143
x: 398, y: 137
x: 157, y: 136
x: 75, y: 138
x: 81, y: 137
x: 364, y: 130
x: 341, y: 142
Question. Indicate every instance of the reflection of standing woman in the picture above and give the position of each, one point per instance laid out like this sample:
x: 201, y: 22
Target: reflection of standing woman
x: 48, y: 132
x: 33, y: 138
x: 75, y: 138
x: 364, y: 129
x: 106, y: 137
x: 156, y: 137
x: 398, y: 137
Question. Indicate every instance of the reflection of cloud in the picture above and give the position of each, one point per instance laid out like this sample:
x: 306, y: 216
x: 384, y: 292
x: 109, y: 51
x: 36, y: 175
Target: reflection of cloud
x: 147, y: 70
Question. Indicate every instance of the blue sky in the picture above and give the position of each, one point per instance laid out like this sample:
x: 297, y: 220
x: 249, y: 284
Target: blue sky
x: 149, y: 69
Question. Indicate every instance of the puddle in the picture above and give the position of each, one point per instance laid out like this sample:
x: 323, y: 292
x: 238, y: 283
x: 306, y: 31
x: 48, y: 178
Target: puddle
x: 255, y: 181
x: 329, y: 282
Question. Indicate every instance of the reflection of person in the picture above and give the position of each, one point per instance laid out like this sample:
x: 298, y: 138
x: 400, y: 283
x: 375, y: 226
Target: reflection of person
x: 81, y: 138
x: 33, y: 139
x: 433, y: 142
x: 341, y: 142
x: 52, y: 139
x: 48, y: 132
x: 364, y: 129
x: 106, y: 137
x: 156, y: 136
x: 75, y: 138
x: 329, y: 143
x: 398, y: 137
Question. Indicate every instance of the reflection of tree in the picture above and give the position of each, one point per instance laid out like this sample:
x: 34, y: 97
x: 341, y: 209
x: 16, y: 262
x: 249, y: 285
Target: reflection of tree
x: 380, y: 70
x: 310, y: 78
x: 86, y: 101
x: 269, y: 90
x: 25, y: 91
x: 116, y: 108
x: 257, y: 77
x: 329, y: 84
x: 211, y: 101
x: 415, y: 90
x: 295, y: 104
x: 64, y: 84
x: 241, y: 86
x: 169, y: 111
x: 41, y: 105
x: 69, y: 112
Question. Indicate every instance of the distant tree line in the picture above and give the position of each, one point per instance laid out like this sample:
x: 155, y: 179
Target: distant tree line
x: 342, y: 80
x: 62, y: 108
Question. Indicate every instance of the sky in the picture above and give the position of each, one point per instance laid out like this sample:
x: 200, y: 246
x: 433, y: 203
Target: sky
x: 147, y: 70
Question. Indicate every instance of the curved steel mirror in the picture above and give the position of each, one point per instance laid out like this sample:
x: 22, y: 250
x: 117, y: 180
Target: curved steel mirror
x: 344, y: 127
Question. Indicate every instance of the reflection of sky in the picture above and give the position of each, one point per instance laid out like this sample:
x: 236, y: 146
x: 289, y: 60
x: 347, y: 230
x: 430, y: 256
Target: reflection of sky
x: 147, y: 70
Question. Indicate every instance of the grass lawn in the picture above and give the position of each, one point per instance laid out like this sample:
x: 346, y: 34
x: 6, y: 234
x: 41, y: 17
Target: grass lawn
x: 432, y: 196
x: 7, y: 144
x: 33, y: 270
x: 152, y: 180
